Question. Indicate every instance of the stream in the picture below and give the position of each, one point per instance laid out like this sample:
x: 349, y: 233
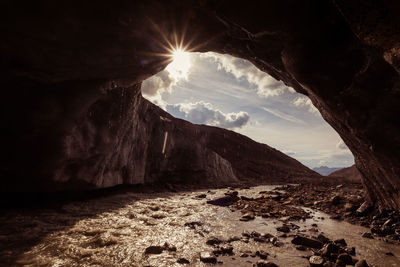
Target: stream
x: 116, y: 230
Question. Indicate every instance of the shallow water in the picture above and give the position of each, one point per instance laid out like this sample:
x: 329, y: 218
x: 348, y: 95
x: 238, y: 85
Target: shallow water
x: 116, y: 230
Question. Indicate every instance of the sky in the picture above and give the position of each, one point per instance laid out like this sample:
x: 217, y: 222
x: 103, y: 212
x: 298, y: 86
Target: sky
x: 228, y: 92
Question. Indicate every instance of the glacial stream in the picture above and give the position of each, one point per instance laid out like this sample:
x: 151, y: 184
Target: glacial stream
x: 116, y: 230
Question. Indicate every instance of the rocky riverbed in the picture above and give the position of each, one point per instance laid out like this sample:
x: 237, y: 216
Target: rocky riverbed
x: 257, y: 226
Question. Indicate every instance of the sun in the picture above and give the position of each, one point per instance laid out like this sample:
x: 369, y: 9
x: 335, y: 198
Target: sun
x: 180, y: 65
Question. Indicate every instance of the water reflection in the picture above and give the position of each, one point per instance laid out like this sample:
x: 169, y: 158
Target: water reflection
x: 116, y: 230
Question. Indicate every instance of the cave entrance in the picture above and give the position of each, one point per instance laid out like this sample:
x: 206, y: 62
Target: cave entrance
x: 228, y: 92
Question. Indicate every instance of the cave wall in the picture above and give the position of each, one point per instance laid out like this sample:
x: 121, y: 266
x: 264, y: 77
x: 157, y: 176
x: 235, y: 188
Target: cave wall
x: 64, y: 60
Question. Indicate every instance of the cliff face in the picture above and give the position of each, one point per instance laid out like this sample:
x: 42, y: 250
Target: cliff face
x: 64, y: 114
x: 125, y: 139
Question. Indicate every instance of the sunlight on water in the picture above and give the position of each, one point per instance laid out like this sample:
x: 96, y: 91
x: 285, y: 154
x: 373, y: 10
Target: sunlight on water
x: 116, y: 230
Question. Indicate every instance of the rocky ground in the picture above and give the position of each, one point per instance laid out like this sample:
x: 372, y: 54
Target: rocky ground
x: 237, y: 226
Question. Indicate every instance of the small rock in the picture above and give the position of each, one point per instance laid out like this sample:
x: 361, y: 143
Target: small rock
x: 202, y: 196
x: 361, y: 263
x: 247, y: 216
x: 244, y: 255
x: 389, y: 253
x: 328, y: 249
x: 283, y: 228
x: 308, y: 242
x: 246, y: 234
x: 388, y: 223
x: 348, y: 207
x: 367, y: 235
x: 260, y: 239
x: 316, y: 261
x: 207, y: 257
x: 183, y: 261
x: 363, y: 209
x: 223, y: 201
x: 233, y: 238
x: 351, y: 251
x: 262, y: 254
x: 323, y: 238
x: 255, y: 234
x: 263, y: 263
x: 154, y: 250
x: 193, y: 225
x: 335, y: 200
x: 224, y: 250
x: 213, y: 241
x: 345, y: 258
x: 340, y: 242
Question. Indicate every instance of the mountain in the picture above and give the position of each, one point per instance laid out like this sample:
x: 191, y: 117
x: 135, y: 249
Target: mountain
x: 324, y: 170
x: 248, y: 159
x: 350, y: 173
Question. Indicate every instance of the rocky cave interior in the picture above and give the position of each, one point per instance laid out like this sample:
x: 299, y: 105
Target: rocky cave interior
x: 72, y: 113
x: 73, y: 117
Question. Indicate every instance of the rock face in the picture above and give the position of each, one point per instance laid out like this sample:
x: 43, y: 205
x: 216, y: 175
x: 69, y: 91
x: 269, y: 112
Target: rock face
x: 155, y: 147
x: 351, y: 173
x: 64, y: 66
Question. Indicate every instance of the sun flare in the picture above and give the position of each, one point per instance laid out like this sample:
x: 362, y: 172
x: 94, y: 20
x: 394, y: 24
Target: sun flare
x: 180, y: 65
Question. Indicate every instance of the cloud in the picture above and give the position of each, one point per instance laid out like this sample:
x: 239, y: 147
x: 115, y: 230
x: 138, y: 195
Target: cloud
x: 304, y: 101
x: 204, y: 113
x: 162, y: 81
x: 283, y: 116
x: 243, y: 69
x: 341, y: 145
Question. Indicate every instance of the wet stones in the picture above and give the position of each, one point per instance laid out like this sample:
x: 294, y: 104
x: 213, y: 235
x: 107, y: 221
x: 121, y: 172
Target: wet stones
x: 345, y: 258
x: 335, y: 200
x: 207, y: 257
x: 183, y: 261
x: 283, y: 228
x: 213, y: 241
x: 340, y: 242
x: 308, y: 242
x: 316, y: 261
x: 323, y: 238
x: 154, y: 250
x: 263, y: 263
x: 226, y: 200
x: 233, y: 239
x: 262, y: 254
x: 193, y: 225
x: 159, y: 249
x: 248, y: 216
x: 363, y: 209
x: 223, y: 250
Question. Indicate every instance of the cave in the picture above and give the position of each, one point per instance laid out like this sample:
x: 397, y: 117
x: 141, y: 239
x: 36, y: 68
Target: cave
x: 65, y: 62
x: 73, y: 117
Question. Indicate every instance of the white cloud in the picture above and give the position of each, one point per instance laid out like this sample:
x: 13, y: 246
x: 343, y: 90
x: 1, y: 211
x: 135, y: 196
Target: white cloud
x: 243, y: 69
x: 162, y: 81
x: 204, y: 113
x: 283, y: 116
x: 304, y: 101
